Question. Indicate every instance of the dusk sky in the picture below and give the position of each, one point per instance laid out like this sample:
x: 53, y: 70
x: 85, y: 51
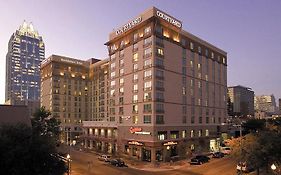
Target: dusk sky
x: 248, y: 30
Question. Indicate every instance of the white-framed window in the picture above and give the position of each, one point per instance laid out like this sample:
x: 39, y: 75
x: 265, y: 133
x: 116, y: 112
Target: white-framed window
x: 135, y: 87
x: 147, y: 73
x: 112, y: 74
x: 135, y: 77
x: 147, y: 62
x: 147, y: 84
x: 135, y: 56
x: 147, y: 30
x: 121, y: 71
x: 121, y: 81
x: 112, y: 83
x: 160, y: 51
x: 192, y: 133
x: 135, y: 66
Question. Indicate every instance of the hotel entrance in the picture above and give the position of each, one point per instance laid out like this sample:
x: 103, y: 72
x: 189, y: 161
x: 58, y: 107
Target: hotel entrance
x: 146, y: 155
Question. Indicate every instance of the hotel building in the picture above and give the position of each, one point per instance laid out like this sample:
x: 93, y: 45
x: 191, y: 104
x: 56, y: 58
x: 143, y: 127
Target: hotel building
x: 65, y: 92
x: 166, y: 91
x: 26, y: 50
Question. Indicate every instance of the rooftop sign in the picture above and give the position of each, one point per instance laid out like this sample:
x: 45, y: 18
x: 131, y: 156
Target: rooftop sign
x: 71, y: 61
x: 128, y: 26
x: 168, y: 18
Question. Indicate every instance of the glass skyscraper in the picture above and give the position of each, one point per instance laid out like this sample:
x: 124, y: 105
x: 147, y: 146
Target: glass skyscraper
x: 26, y: 50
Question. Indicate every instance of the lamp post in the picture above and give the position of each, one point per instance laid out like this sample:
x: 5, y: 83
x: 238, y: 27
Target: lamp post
x: 68, y: 161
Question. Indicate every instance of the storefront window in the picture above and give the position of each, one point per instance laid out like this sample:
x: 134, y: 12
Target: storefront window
x: 174, y: 134
x: 162, y: 135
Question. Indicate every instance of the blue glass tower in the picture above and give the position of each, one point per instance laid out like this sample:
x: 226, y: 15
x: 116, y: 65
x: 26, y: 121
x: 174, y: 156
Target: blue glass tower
x: 26, y: 50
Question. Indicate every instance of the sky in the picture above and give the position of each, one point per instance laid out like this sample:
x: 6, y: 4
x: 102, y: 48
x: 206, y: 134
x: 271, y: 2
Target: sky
x: 248, y: 30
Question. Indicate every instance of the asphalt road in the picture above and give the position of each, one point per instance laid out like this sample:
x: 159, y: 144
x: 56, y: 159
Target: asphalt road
x: 80, y: 166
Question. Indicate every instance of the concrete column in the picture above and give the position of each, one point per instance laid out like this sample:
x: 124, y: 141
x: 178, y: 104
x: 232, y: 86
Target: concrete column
x: 91, y: 144
x: 153, y: 155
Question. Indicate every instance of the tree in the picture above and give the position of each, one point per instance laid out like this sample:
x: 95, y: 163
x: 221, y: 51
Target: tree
x: 260, y: 149
x: 23, y: 152
x: 254, y: 125
x: 45, y: 125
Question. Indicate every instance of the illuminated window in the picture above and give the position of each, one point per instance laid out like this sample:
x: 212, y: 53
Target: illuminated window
x: 192, y: 133
x: 121, y: 90
x: 207, y: 132
x: 199, y: 49
x: 112, y: 83
x: 135, y: 119
x: 112, y: 92
x: 147, y: 96
x: 212, y: 55
x: 135, y: 57
x: 135, y: 109
x: 135, y: 98
x: 183, y: 134
x: 191, y: 46
x: 112, y: 74
x: 223, y: 60
x: 200, y: 133
x: 135, y: 87
x: 147, y: 85
x: 160, y: 51
x: 147, y: 41
x: 121, y: 62
x: 147, y: 73
x: 135, y: 77
x: 121, y: 81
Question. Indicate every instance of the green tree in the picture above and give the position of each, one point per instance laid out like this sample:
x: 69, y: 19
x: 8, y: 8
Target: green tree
x: 45, y: 125
x: 254, y: 125
x: 23, y: 152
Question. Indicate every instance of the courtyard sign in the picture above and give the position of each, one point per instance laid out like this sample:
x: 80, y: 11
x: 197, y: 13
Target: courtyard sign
x: 168, y: 19
x: 128, y: 26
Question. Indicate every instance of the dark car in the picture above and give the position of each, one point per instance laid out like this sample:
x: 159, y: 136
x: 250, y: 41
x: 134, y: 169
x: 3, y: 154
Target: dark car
x: 218, y: 155
x: 198, y: 160
x: 117, y: 162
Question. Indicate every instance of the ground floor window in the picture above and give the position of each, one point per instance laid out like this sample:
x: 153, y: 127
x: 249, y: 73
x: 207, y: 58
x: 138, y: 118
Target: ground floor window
x: 159, y: 155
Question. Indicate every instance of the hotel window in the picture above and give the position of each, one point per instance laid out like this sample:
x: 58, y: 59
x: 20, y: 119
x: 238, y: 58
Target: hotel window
x: 147, y: 74
x: 199, y: 49
x: 135, y: 57
x: 223, y: 60
x: 112, y: 83
x: 135, y: 78
x: 199, y: 84
x: 136, y: 36
x: 112, y: 66
x: 112, y: 92
x: 207, y: 119
x: 112, y: 57
x: 192, y: 119
x: 206, y: 52
x: 162, y: 135
x: 200, y: 133
x: 183, y: 134
x: 159, y: 29
x: 160, y: 108
x: 147, y: 30
x: 135, y: 67
x: 192, y: 133
x: 135, y: 98
x: 147, y: 108
x: 121, y: 90
x: 191, y: 46
x: 159, y: 62
x: 147, y: 96
x: 135, y: 47
x: 121, y: 62
x: 121, y: 110
x: 147, y: 63
x: 159, y: 119
x: 147, y: 85
x: 121, y: 72
x: 212, y: 55
x: 121, y: 54
x: 135, y: 88
x: 147, y: 119
x: 174, y: 134
x: 135, y: 109
x: 112, y: 74
x: 135, y: 119
x: 159, y: 96
x: 191, y: 63
x: 122, y: 44
x: 121, y: 81
x: 147, y: 41
x: 147, y: 52
x: 207, y: 132
x: 160, y: 51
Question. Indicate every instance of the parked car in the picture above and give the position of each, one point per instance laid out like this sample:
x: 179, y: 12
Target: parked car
x: 117, y: 162
x: 218, y: 155
x: 226, y: 150
x: 104, y: 157
x: 198, y: 160
x: 244, y: 167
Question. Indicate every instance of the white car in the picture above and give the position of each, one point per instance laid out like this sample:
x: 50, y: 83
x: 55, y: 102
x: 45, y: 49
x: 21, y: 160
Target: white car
x: 225, y: 150
x: 104, y: 157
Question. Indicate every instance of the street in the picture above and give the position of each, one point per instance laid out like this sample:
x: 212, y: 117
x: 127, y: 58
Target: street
x: 87, y: 163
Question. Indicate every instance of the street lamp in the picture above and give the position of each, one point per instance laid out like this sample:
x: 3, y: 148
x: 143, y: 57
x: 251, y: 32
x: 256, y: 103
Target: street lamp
x: 273, y: 167
x: 68, y: 161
